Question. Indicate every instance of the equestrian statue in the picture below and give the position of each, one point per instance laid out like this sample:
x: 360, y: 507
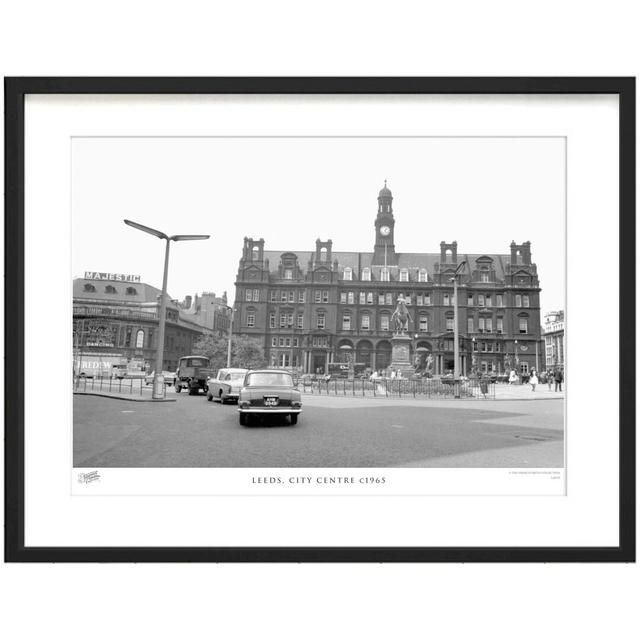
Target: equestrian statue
x: 400, y: 317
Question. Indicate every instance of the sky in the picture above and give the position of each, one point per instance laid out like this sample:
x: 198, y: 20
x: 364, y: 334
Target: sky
x: 481, y: 192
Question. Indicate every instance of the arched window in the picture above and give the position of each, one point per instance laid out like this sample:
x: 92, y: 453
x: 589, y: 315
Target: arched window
x: 131, y: 291
x: 366, y: 274
x: 255, y: 252
x: 110, y: 289
x: 348, y: 273
x: 140, y: 339
x: 89, y: 287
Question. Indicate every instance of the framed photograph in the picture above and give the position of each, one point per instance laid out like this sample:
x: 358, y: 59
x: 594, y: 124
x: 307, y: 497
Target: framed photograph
x: 320, y: 319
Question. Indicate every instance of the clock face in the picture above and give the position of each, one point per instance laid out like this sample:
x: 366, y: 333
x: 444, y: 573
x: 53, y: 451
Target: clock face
x: 385, y: 231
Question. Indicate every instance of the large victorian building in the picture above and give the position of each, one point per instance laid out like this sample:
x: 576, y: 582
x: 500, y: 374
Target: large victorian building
x: 309, y: 309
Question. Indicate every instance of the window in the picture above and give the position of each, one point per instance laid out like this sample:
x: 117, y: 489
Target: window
x: 388, y: 298
x: 320, y: 317
x: 366, y: 274
x: 384, y: 275
x: 294, y: 342
x: 404, y: 275
x: 518, y: 300
x: 283, y: 296
x: 131, y: 291
x: 318, y: 296
x: 127, y: 339
x: 288, y: 274
x: 364, y: 321
x: 301, y: 295
x: 480, y: 325
x: 287, y: 342
x: 419, y: 299
x: 248, y: 295
x: 489, y: 324
x: 346, y: 322
x: 525, y: 301
x: 363, y: 297
x: 89, y: 287
x: 422, y: 275
x: 470, y: 300
x: 481, y: 300
x: 499, y: 328
x: 483, y: 346
x: 499, y: 302
x: 369, y: 298
x: 140, y: 339
x: 292, y: 296
x: 381, y: 298
x: 343, y: 297
x: 283, y: 320
x: 384, y: 322
x: 300, y: 321
x: 427, y: 299
x: 251, y: 319
x: 449, y: 324
x: 487, y: 300
x: 273, y: 295
x: 424, y: 323
x: 523, y: 325
x: 347, y: 274
x: 272, y: 321
x: 325, y: 296
x: 289, y: 319
x: 110, y: 289
x: 446, y: 299
x: 469, y: 325
x: 350, y: 297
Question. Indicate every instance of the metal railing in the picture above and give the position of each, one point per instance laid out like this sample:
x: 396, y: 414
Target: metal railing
x: 105, y: 384
x: 388, y: 387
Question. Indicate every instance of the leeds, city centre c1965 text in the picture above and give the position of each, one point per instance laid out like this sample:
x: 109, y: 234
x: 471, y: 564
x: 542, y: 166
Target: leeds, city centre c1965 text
x: 318, y: 480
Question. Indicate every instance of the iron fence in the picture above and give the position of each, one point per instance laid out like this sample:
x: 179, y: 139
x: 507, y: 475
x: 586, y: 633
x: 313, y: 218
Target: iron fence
x: 110, y: 384
x: 387, y: 387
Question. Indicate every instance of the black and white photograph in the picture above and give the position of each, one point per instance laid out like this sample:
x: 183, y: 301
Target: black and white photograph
x: 319, y: 302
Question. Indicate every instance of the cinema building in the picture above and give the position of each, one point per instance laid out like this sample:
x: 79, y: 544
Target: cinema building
x: 314, y: 307
x: 115, y: 325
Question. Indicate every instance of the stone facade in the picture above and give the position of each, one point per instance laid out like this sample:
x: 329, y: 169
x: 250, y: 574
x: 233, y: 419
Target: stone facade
x: 311, y: 308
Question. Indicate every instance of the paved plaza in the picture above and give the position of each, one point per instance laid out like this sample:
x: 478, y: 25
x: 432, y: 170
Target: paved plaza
x: 333, y: 431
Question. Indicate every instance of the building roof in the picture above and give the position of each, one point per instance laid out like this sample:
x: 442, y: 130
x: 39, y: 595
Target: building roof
x: 360, y: 260
x: 144, y: 293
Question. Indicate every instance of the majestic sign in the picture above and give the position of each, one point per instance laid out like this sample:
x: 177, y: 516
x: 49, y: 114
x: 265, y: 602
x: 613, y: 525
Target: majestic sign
x: 102, y: 275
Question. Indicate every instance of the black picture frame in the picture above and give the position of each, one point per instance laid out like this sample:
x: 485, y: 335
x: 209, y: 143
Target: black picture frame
x: 15, y: 91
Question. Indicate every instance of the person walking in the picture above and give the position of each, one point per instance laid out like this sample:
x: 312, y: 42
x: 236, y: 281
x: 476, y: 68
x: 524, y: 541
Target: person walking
x: 559, y: 378
x: 550, y: 379
x: 513, y: 377
x: 533, y: 380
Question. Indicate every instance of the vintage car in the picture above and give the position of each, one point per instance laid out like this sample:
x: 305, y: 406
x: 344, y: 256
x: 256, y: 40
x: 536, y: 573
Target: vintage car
x: 192, y: 374
x: 169, y: 378
x: 269, y: 392
x: 226, y: 385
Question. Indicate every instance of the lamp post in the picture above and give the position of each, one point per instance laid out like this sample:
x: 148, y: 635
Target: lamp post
x: 456, y: 336
x: 233, y: 312
x: 158, y: 379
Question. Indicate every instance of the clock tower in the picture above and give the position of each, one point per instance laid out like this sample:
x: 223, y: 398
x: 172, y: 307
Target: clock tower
x: 384, y: 251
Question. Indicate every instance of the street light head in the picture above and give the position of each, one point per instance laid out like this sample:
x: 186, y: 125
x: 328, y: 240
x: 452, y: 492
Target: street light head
x: 188, y: 237
x: 141, y: 227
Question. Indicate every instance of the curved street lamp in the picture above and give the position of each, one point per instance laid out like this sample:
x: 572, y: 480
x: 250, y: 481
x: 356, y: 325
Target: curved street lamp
x: 158, y: 381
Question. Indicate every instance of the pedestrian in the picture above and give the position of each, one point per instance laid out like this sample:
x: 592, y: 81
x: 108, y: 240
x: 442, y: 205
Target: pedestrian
x: 484, y: 386
x: 559, y: 377
x: 550, y: 379
x: 533, y: 380
x: 513, y: 377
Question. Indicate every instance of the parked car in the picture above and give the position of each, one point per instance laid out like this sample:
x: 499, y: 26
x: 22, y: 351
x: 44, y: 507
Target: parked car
x: 226, y: 385
x: 169, y: 378
x: 268, y: 392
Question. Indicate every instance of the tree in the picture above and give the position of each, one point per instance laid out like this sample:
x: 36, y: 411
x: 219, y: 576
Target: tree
x: 246, y: 353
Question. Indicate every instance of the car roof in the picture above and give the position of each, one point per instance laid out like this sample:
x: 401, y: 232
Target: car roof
x: 233, y: 369
x: 269, y: 371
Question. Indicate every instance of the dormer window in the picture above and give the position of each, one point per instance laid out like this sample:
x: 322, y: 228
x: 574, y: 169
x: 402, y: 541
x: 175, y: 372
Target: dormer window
x: 404, y: 275
x: 110, y: 289
x: 288, y: 274
x: 422, y: 275
x: 366, y: 274
x: 384, y: 275
x: 131, y: 291
x: 89, y: 287
x: 348, y: 273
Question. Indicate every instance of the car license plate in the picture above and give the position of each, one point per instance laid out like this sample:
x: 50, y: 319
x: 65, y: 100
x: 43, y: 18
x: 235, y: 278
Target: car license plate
x: 270, y: 401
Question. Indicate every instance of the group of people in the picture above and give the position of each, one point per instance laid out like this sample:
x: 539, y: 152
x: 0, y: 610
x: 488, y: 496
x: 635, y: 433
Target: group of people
x: 551, y: 377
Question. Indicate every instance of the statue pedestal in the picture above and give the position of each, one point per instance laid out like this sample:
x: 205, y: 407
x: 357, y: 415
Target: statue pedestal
x: 401, y: 355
